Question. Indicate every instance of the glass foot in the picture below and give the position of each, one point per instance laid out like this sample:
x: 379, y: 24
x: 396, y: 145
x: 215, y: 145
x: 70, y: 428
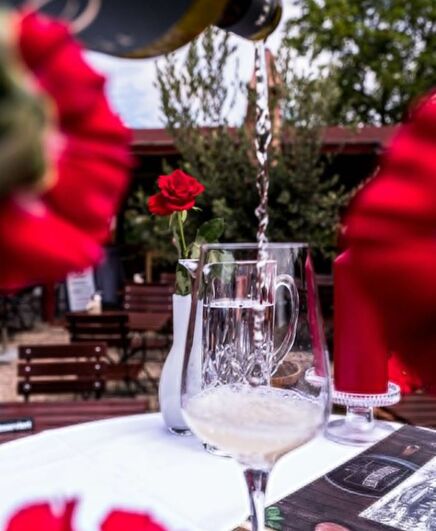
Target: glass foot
x: 214, y: 450
x: 183, y: 432
x: 359, y: 426
x: 357, y: 434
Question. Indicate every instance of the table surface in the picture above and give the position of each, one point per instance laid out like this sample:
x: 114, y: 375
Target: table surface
x: 135, y: 463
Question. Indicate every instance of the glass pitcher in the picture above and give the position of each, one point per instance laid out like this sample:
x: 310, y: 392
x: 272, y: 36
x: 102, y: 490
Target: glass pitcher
x: 255, y: 380
x: 269, y: 307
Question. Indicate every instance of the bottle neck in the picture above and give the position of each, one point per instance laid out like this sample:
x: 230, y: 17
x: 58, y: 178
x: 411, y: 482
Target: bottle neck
x: 251, y: 19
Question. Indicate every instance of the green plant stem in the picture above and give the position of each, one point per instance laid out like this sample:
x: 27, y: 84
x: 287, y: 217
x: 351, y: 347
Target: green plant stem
x: 182, y: 235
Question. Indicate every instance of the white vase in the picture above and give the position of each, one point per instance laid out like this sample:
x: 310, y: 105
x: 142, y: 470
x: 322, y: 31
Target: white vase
x: 171, y: 377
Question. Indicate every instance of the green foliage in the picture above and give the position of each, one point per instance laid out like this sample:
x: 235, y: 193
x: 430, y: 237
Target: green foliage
x: 303, y: 202
x: 194, y: 94
x: 304, y: 205
x: 210, y: 232
x: 384, y: 51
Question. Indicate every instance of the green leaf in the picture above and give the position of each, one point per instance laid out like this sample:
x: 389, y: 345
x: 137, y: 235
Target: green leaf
x: 273, y: 518
x: 183, y: 281
x: 210, y: 231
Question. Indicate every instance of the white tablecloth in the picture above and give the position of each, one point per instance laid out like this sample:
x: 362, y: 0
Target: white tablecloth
x: 134, y: 463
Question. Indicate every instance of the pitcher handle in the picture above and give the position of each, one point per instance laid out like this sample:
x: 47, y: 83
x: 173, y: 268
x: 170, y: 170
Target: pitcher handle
x: 288, y: 282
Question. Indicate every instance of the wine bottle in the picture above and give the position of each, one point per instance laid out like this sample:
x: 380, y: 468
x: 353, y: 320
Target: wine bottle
x: 252, y: 19
x: 132, y: 28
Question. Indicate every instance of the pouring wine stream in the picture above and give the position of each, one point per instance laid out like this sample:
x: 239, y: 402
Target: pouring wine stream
x: 262, y: 141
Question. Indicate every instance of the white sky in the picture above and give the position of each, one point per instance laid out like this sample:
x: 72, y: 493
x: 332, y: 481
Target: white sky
x: 131, y: 88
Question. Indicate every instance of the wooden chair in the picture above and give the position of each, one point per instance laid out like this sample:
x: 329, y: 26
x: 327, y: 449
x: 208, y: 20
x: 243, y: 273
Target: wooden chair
x: 150, y: 334
x: 61, y: 369
x: 156, y: 298
x: 149, y: 307
x: 167, y: 278
x: 113, y: 329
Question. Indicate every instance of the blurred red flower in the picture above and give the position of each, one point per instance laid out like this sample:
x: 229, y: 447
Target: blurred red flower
x: 41, y: 517
x: 45, y: 236
x: 123, y: 520
x: 178, y: 191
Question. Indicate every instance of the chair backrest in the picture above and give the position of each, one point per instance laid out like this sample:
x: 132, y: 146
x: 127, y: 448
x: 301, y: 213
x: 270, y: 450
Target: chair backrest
x: 60, y: 369
x: 150, y: 321
x: 148, y: 298
x: 167, y: 278
x: 111, y: 328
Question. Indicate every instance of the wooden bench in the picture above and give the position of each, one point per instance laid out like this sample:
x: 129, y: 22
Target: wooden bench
x: 62, y: 369
x: 83, y: 368
x: 48, y: 415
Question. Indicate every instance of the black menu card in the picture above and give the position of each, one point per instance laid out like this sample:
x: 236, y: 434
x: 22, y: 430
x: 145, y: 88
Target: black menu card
x: 391, y: 485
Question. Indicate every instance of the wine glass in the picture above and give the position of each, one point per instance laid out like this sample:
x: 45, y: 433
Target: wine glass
x: 255, y: 380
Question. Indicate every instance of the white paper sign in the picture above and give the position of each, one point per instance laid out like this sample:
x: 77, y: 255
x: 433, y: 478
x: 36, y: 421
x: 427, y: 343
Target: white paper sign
x: 80, y: 289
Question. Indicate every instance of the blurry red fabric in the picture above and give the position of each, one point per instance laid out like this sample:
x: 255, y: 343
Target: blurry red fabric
x: 42, y: 517
x: 391, y: 233
x: 43, y: 238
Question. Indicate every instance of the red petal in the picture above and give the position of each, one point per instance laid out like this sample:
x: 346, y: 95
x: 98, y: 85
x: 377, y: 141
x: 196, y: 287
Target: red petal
x: 56, y: 60
x: 158, y: 205
x: 123, y: 521
x: 41, y: 37
x: 179, y: 206
x: 91, y: 206
x: 39, y: 517
x: 37, y: 248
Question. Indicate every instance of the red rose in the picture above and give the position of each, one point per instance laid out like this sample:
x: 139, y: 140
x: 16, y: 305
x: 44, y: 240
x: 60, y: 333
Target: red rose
x: 177, y: 192
x: 43, y: 237
x: 41, y: 517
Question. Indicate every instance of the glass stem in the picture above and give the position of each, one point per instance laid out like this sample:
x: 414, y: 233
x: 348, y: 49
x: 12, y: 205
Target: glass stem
x: 361, y: 418
x: 256, y: 483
